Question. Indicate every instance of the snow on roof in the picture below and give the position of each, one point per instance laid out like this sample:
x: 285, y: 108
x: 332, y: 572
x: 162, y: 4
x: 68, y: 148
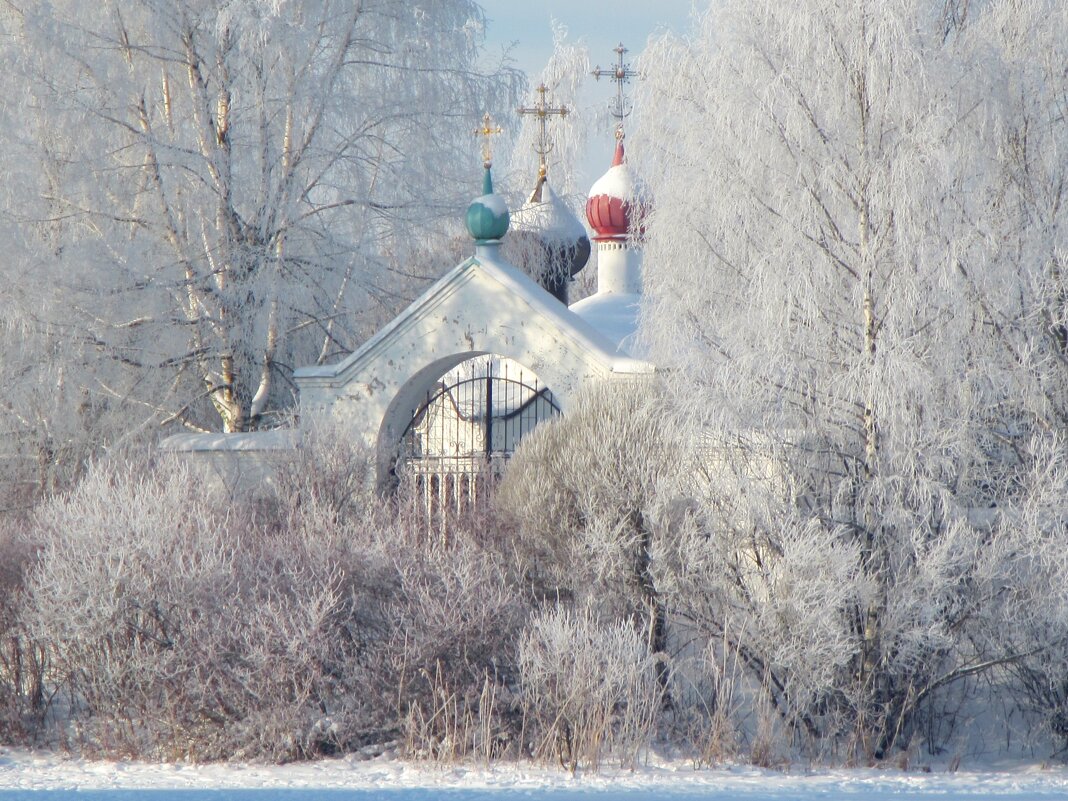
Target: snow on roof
x: 618, y: 200
x: 614, y: 316
x: 550, y: 218
x: 518, y: 285
x: 494, y: 202
x: 620, y: 181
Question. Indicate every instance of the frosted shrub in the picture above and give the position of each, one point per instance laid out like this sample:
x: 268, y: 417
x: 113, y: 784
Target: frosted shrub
x: 455, y: 624
x: 850, y: 640
x: 176, y: 629
x: 330, y: 478
x: 182, y: 623
x: 1032, y: 603
x: 767, y: 602
x: 592, y: 495
x: 589, y: 690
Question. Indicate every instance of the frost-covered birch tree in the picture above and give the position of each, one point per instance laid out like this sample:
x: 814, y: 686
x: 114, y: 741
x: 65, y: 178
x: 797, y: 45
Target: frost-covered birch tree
x: 828, y: 175
x: 226, y: 190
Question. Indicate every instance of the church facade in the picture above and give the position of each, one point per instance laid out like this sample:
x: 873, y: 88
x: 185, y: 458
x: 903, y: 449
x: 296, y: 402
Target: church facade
x: 485, y: 314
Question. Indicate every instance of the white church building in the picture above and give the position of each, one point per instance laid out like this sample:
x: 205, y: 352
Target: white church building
x: 446, y: 390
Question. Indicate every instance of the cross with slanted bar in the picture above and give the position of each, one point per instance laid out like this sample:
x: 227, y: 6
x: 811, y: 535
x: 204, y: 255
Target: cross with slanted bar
x: 487, y: 130
x: 621, y: 74
x: 542, y: 110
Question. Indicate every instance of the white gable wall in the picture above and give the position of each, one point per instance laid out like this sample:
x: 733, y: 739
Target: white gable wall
x: 483, y: 306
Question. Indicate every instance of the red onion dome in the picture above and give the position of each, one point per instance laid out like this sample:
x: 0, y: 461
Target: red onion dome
x: 615, y: 205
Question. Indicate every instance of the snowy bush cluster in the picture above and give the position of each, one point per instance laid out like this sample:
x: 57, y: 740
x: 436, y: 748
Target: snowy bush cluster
x: 169, y: 621
x: 147, y: 612
x: 771, y: 626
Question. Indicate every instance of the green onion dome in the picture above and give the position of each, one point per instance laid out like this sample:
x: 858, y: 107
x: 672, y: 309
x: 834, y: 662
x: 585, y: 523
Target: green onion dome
x: 487, y: 216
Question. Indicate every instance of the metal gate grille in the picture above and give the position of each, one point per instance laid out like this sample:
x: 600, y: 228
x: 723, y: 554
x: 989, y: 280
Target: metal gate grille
x: 460, y: 438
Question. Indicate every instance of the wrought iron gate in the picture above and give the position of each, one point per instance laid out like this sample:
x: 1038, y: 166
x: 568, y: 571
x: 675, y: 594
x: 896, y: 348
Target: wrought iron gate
x: 460, y: 438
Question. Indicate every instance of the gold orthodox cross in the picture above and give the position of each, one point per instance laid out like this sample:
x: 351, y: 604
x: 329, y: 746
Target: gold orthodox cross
x: 487, y: 130
x: 621, y: 74
x: 542, y: 110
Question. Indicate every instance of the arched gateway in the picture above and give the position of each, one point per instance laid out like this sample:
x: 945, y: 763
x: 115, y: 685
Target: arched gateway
x: 462, y: 435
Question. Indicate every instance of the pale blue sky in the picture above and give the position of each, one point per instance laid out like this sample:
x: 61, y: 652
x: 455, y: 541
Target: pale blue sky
x: 603, y: 24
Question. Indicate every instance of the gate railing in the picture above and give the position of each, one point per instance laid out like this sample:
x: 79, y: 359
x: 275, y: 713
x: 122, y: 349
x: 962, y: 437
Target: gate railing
x: 461, y: 437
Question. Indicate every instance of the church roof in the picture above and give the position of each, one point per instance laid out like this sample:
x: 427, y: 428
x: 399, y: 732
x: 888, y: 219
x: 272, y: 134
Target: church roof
x: 616, y: 209
x: 484, y: 305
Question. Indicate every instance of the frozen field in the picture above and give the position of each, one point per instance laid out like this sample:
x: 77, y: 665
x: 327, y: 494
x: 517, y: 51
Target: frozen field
x: 29, y: 776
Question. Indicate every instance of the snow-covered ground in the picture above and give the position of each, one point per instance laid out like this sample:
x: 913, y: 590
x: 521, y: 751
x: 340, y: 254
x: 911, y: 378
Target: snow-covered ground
x: 46, y: 776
